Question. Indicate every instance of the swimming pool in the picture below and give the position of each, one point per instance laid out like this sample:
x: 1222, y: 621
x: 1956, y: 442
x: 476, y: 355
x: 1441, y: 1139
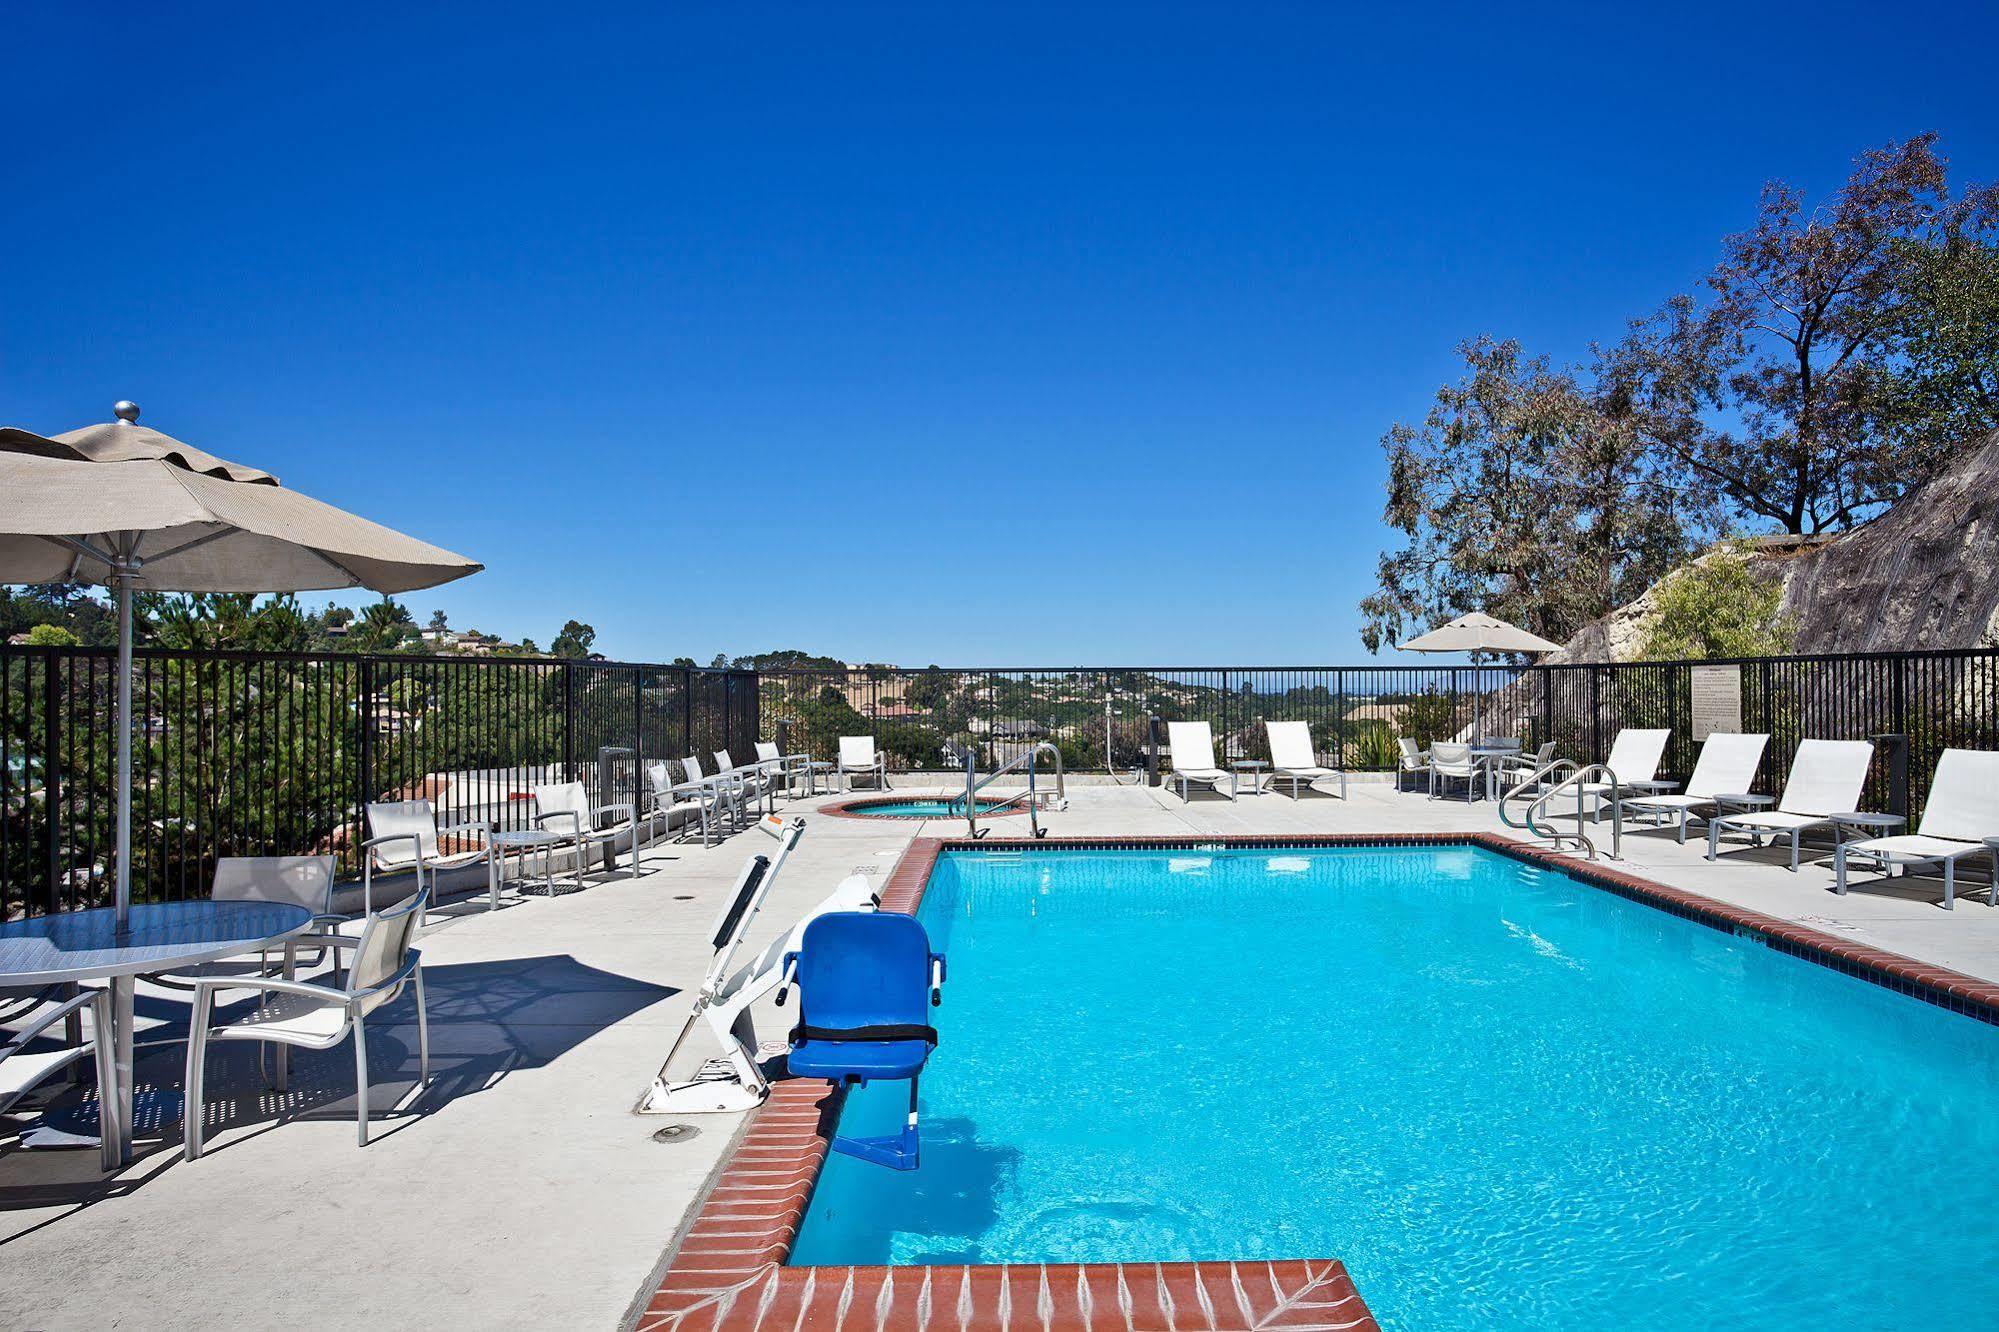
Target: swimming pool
x: 1502, y: 1097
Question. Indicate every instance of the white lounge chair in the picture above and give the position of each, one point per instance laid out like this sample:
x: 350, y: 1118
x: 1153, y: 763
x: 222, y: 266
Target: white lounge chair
x: 1826, y: 777
x: 313, y: 1016
x: 29, y: 1057
x: 1962, y: 811
x: 564, y: 808
x: 1634, y: 757
x: 1410, y: 759
x: 403, y: 835
x: 858, y: 755
x: 1453, y: 763
x: 1726, y: 766
x: 1193, y: 746
x: 1292, y: 759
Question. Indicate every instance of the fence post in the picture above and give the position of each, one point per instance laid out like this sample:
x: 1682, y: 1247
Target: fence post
x: 1895, y: 750
x: 367, y: 732
x: 568, y: 720
x: 52, y: 777
x: 638, y: 726
x: 687, y: 710
x: 1152, y: 749
x: 1595, y: 715
x: 784, y: 735
x: 1547, y: 705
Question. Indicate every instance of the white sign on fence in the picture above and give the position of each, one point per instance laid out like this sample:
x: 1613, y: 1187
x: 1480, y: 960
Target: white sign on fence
x: 1717, y: 700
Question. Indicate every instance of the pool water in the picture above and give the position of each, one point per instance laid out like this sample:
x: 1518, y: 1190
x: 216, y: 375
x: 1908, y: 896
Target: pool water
x: 923, y: 809
x: 1504, y: 1098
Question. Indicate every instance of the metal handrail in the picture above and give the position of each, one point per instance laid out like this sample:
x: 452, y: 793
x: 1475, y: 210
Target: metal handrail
x: 1535, y: 819
x: 973, y: 786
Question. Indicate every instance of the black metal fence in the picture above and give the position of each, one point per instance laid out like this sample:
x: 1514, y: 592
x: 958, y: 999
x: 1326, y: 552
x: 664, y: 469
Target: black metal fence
x: 930, y: 718
x: 246, y: 753
x: 241, y: 753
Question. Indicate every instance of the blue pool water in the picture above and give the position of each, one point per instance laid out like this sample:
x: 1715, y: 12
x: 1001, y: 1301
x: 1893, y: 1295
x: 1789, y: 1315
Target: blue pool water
x: 1504, y: 1098
x: 922, y: 809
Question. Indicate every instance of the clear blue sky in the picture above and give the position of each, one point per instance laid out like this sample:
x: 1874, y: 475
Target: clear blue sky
x: 737, y: 328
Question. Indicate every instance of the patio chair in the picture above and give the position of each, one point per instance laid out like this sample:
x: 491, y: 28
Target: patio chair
x: 1519, y: 767
x: 1292, y: 759
x: 1826, y: 777
x: 29, y: 1057
x: 1193, y: 746
x: 1962, y: 811
x: 791, y: 768
x: 723, y: 790
x: 404, y: 835
x: 1726, y: 766
x: 314, y: 1016
x: 1634, y: 757
x: 1410, y: 759
x: 564, y: 808
x: 1453, y: 763
x: 754, y: 780
x: 858, y: 755
x: 305, y: 881
x: 683, y: 804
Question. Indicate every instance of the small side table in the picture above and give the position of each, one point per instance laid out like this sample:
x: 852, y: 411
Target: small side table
x: 1651, y: 786
x: 1256, y: 768
x: 1865, y: 824
x: 525, y: 842
x: 1742, y: 802
x: 817, y: 769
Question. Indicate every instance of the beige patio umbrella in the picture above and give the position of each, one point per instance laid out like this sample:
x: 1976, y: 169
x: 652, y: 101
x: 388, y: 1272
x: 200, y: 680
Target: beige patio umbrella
x: 1477, y: 634
x: 126, y: 507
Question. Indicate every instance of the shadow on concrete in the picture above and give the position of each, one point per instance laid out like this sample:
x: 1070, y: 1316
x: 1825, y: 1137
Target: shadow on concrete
x: 487, y: 1019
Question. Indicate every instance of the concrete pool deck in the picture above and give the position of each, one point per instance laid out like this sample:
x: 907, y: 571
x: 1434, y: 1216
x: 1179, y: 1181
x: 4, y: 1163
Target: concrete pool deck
x: 519, y: 1190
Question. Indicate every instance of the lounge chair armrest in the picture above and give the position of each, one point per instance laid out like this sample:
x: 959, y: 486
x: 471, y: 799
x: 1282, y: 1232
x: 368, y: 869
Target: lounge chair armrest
x: 375, y: 843
x: 480, y: 826
x: 97, y: 1000
x: 623, y: 807
x: 303, y: 989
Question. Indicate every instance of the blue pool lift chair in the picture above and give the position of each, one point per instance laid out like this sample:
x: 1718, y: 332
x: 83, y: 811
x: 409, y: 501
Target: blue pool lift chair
x: 866, y: 982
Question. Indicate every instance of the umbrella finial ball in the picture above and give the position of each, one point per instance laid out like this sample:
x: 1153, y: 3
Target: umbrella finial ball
x: 125, y: 410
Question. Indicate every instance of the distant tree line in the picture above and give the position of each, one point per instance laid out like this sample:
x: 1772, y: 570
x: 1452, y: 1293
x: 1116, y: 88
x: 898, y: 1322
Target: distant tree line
x: 69, y: 614
x: 1834, y: 359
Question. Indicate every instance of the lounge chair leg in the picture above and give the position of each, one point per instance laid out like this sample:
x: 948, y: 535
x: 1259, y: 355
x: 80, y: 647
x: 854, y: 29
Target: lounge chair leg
x: 191, y: 1092
x: 422, y: 1030
x: 361, y: 1076
x: 1713, y: 838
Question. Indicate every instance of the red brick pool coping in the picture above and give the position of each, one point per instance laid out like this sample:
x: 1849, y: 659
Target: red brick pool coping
x: 728, y: 1271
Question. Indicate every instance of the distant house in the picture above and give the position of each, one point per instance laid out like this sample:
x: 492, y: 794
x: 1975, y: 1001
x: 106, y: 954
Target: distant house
x: 442, y: 640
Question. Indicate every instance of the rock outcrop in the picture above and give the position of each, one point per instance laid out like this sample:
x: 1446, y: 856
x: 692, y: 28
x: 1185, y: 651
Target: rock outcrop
x: 1923, y: 575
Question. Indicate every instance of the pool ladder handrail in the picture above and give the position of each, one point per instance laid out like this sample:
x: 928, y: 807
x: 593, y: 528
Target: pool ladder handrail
x: 1536, y: 820
x: 974, y: 785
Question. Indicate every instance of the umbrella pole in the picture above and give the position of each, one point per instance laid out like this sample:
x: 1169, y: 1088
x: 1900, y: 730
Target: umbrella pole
x: 122, y: 575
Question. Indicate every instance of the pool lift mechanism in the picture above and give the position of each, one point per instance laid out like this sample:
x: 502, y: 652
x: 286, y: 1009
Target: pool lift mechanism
x: 734, y: 1081
x: 866, y: 983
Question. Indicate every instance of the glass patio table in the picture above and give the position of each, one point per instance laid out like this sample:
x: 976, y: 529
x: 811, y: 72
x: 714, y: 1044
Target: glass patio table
x: 74, y: 946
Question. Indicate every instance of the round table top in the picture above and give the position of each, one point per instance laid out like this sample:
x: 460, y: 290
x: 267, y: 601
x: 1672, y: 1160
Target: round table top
x: 1248, y: 763
x: 83, y: 945
x: 1869, y: 819
x: 525, y: 837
